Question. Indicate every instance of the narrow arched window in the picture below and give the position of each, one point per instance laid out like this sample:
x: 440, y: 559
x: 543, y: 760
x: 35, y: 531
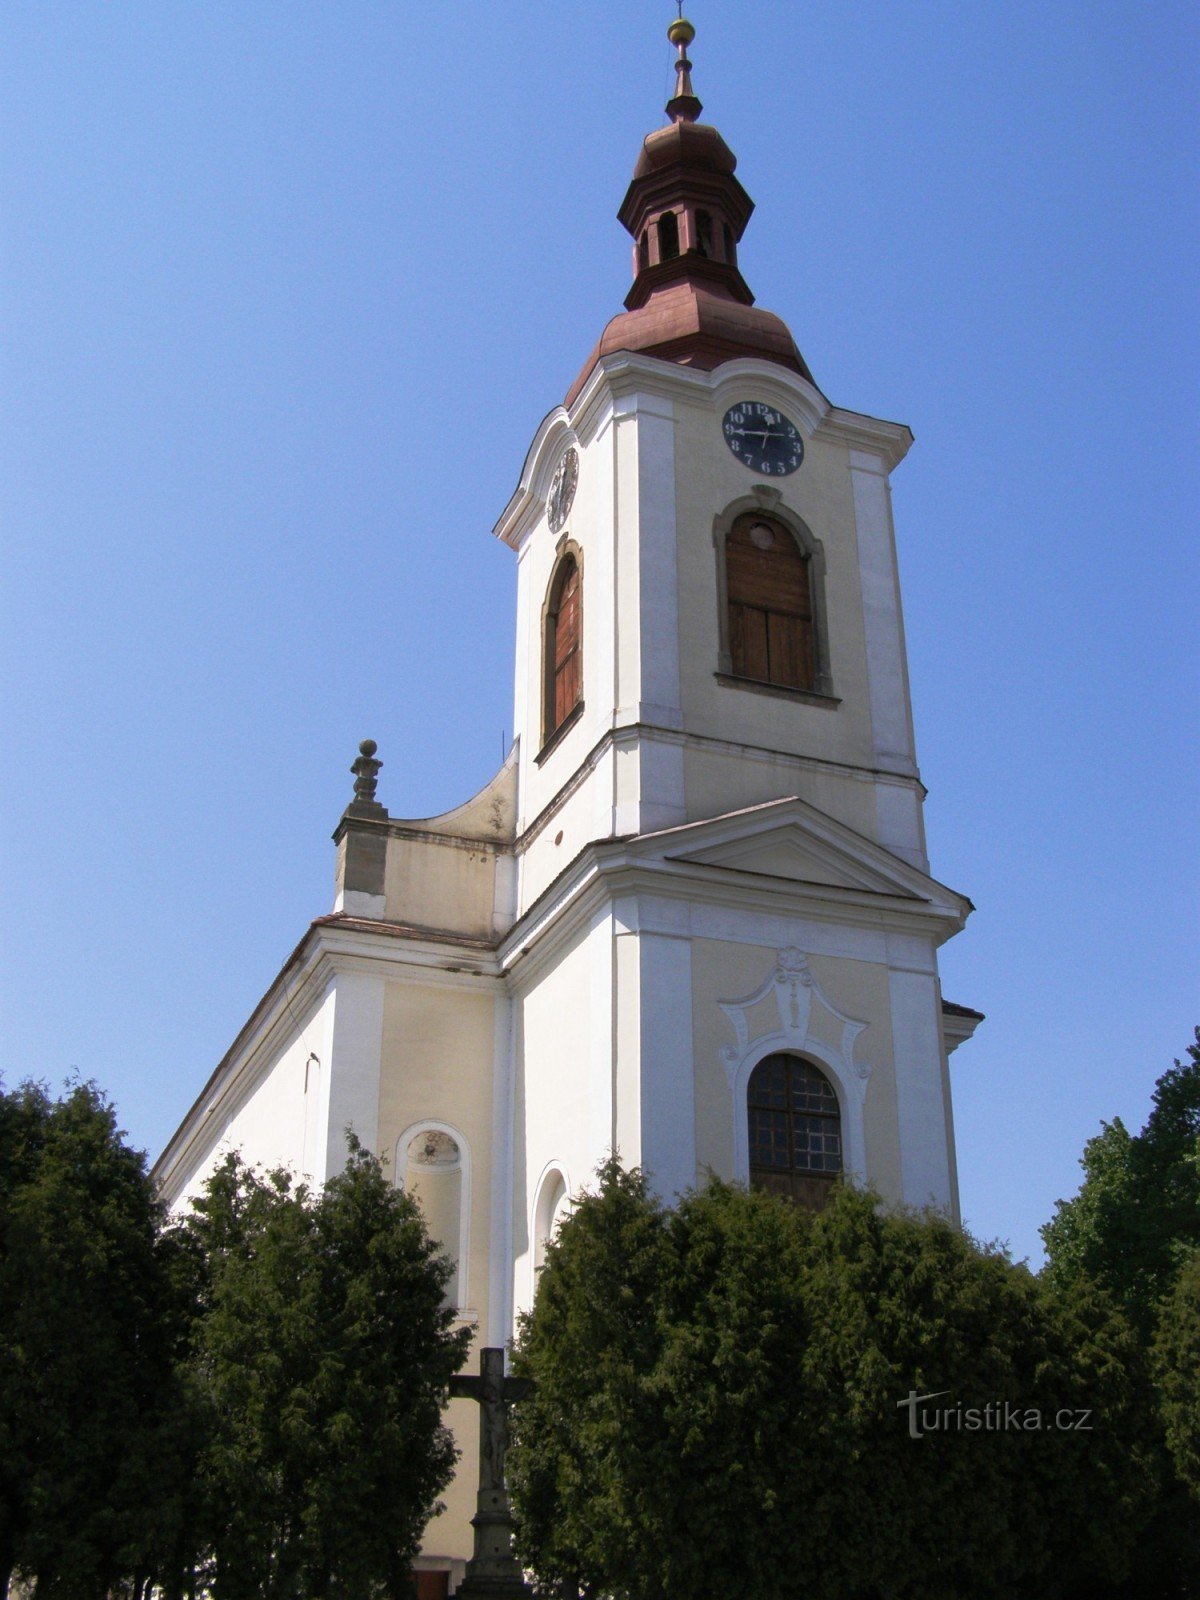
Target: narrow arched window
x: 564, y: 654
x: 644, y: 250
x: 795, y: 1129
x: 668, y: 236
x: 730, y: 246
x: 704, y: 233
x: 769, y: 594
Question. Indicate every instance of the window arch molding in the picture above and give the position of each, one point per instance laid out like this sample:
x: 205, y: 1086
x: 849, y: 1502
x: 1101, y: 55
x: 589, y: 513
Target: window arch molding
x: 567, y: 554
x: 551, y: 1193
x: 850, y: 1089
x: 767, y: 502
x: 401, y: 1169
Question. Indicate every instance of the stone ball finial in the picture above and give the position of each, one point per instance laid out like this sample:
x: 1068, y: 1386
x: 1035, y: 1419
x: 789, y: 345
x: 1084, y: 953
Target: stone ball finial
x: 366, y: 773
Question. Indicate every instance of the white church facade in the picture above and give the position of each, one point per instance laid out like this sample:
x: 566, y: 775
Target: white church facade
x: 691, y: 919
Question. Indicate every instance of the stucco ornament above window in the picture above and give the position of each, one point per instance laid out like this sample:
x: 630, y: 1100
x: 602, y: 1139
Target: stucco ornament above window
x: 795, y: 990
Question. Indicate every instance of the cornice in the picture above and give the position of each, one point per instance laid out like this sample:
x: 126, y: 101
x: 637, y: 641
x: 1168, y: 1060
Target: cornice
x: 629, y: 734
x: 394, y: 828
x: 600, y: 876
x: 603, y: 871
x: 889, y: 441
x: 958, y: 1024
x: 366, y: 940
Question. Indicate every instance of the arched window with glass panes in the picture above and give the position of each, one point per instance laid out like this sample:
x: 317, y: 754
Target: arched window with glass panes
x: 795, y: 1130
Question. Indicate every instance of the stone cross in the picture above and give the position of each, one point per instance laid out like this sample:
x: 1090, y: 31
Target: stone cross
x: 493, y: 1569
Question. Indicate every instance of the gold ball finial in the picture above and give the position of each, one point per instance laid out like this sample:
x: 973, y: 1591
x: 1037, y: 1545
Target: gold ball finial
x: 681, y: 32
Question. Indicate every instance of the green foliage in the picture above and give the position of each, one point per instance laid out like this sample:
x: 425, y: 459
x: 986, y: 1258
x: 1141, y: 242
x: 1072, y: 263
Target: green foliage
x: 1177, y: 1368
x: 248, y: 1403
x: 87, y: 1336
x: 1137, y: 1214
x: 323, y: 1351
x: 1134, y: 1230
x: 718, y: 1412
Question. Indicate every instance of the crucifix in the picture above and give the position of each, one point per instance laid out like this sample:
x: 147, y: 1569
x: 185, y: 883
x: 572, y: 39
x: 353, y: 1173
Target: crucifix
x: 493, y: 1570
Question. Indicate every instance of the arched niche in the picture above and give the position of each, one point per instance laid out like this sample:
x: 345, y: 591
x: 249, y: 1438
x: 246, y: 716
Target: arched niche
x: 433, y: 1165
x: 551, y: 1207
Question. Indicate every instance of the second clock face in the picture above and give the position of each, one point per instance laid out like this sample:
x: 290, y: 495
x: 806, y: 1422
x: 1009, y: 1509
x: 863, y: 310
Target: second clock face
x: 562, y: 489
x: 763, y: 439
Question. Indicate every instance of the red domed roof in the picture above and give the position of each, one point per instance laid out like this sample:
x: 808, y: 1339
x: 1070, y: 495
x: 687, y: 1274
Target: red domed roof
x: 687, y: 212
x: 692, y: 144
x: 687, y: 322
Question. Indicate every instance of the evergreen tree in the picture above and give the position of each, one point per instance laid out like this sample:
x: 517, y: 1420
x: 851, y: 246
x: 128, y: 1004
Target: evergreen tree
x: 1177, y: 1367
x: 1134, y: 1230
x: 323, y: 1352
x: 86, y: 1376
x: 719, y: 1409
x: 1137, y: 1215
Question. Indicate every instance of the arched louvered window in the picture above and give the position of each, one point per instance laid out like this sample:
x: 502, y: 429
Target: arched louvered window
x: 704, y: 233
x: 769, y: 594
x: 564, y: 639
x: 795, y: 1130
x: 668, y: 236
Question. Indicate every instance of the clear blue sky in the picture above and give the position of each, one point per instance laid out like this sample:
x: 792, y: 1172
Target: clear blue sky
x: 286, y: 288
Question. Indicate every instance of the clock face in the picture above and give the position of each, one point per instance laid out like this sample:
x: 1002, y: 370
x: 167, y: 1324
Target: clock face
x: 763, y: 439
x: 562, y: 489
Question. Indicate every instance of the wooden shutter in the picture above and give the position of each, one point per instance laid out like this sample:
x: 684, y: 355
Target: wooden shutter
x: 564, y: 648
x: 770, y: 604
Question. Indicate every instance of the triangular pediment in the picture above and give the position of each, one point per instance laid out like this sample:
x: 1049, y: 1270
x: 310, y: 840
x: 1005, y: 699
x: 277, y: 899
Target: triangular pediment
x: 791, y: 853
x: 792, y: 842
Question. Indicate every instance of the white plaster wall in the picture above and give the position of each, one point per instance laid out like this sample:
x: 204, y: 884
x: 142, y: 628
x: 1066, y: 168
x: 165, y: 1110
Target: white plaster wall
x: 278, y: 1116
x: 649, y: 553
x: 667, y: 1091
x: 891, y: 710
x: 926, y: 1147
x: 564, y: 1095
x: 585, y: 813
x: 352, y: 1080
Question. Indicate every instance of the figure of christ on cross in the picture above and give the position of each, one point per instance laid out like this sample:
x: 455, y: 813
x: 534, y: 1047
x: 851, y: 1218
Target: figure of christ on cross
x: 493, y: 1572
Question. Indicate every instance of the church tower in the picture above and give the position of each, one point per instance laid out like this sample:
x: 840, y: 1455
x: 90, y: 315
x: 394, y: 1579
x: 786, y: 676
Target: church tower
x: 691, y: 919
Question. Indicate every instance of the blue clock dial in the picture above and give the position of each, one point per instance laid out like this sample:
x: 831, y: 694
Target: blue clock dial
x: 763, y: 439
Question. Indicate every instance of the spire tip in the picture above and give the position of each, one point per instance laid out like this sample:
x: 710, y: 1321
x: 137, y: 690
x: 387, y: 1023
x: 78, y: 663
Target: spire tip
x: 684, y: 107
